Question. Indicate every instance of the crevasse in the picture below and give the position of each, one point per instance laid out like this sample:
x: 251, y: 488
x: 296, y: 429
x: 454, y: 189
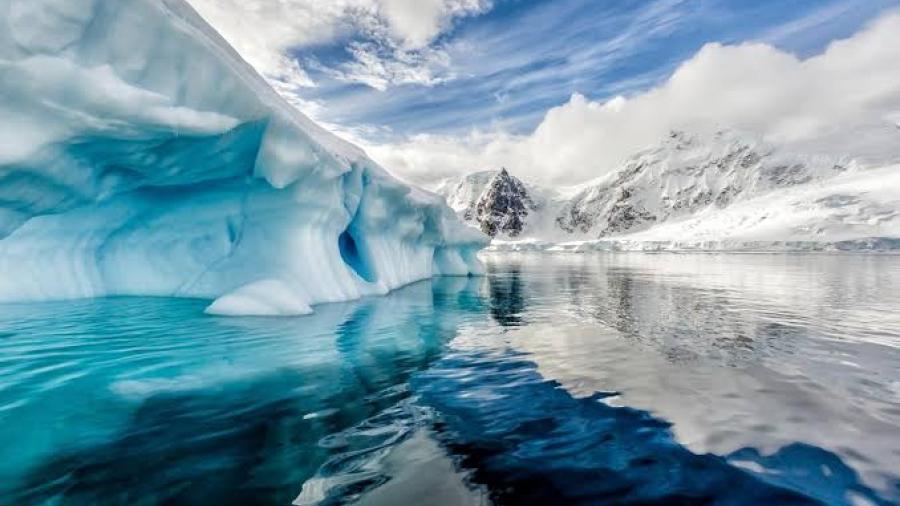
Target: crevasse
x: 140, y: 155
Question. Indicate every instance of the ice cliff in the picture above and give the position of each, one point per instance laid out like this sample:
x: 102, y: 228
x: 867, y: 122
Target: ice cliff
x: 140, y: 155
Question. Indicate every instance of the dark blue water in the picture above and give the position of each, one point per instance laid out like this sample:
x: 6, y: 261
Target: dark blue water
x: 595, y: 379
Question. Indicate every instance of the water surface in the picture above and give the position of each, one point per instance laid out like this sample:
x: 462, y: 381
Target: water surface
x: 579, y: 379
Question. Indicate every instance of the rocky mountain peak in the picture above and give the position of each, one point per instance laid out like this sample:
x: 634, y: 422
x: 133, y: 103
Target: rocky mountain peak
x: 684, y: 175
x: 504, y: 205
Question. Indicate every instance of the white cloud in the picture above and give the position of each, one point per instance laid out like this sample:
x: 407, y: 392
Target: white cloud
x: 378, y: 65
x: 426, y: 158
x: 418, y: 22
x: 841, y: 101
x: 399, y: 32
x: 262, y: 30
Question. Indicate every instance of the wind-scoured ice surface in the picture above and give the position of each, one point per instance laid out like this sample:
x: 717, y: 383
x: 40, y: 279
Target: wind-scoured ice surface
x: 139, y: 155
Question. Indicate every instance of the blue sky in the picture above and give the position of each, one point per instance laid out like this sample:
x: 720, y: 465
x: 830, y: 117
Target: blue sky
x: 566, y: 90
x: 510, y: 64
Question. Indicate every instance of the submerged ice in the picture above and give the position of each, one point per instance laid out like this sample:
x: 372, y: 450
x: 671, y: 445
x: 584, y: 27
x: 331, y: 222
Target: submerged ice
x: 139, y: 155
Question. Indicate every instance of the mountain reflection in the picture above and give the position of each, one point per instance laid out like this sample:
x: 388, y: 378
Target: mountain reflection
x: 507, y: 302
x: 585, y: 380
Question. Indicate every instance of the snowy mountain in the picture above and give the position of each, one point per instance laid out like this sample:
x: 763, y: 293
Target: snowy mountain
x: 494, y: 200
x: 707, y: 193
x: 140, y: 155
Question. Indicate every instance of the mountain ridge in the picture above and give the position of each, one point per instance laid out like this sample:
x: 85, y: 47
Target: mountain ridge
x: 690, y: 180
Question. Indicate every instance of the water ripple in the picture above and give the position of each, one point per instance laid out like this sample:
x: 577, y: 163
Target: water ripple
x: 610, y: 379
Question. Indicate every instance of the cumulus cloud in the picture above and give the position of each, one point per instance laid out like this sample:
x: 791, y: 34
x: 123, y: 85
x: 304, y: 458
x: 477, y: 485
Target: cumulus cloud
x: 397, y: 46
x: 418, y: 22
x: 844, y: 101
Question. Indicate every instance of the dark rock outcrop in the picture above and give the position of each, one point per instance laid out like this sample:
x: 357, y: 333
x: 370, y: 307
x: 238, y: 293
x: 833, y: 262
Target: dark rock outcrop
x: 504, y: 206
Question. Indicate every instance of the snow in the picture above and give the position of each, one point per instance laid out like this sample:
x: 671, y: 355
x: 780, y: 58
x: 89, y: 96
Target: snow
x: 854, y: 206
x: 139, y: 155
x: 854, y: 211
x: 728, y: 191
x: 463, y: 194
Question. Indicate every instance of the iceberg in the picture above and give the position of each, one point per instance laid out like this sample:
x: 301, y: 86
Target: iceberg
x: 140, y: 155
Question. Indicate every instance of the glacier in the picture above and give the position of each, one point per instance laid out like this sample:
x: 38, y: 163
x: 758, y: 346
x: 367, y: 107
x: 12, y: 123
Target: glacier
x: 140, y: 155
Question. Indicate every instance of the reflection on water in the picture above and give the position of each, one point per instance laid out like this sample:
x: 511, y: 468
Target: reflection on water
x: 148, y: 401
x: 595, y: 379
x: 507, y: 301
x: 532, y: 442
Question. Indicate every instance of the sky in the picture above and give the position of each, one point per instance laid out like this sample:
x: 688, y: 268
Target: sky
x: 562, y: 91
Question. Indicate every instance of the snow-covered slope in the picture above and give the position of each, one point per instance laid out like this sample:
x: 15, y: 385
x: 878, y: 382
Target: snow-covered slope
x: 726, y: 191
x: 683, y: 176
x: 463, y: 193
x: 140, y: 155
x: 854, y: 210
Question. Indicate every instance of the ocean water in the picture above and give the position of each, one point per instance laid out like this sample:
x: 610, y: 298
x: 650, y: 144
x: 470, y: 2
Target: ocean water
x: 569, y: 379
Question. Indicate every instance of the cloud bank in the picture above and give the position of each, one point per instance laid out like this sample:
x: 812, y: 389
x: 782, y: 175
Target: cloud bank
x: 844, y: 101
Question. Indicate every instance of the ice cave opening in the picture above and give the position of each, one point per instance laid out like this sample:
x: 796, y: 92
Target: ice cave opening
x: 354, y: 257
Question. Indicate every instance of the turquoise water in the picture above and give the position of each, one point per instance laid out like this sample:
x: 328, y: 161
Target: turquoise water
x: 571, y: 379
